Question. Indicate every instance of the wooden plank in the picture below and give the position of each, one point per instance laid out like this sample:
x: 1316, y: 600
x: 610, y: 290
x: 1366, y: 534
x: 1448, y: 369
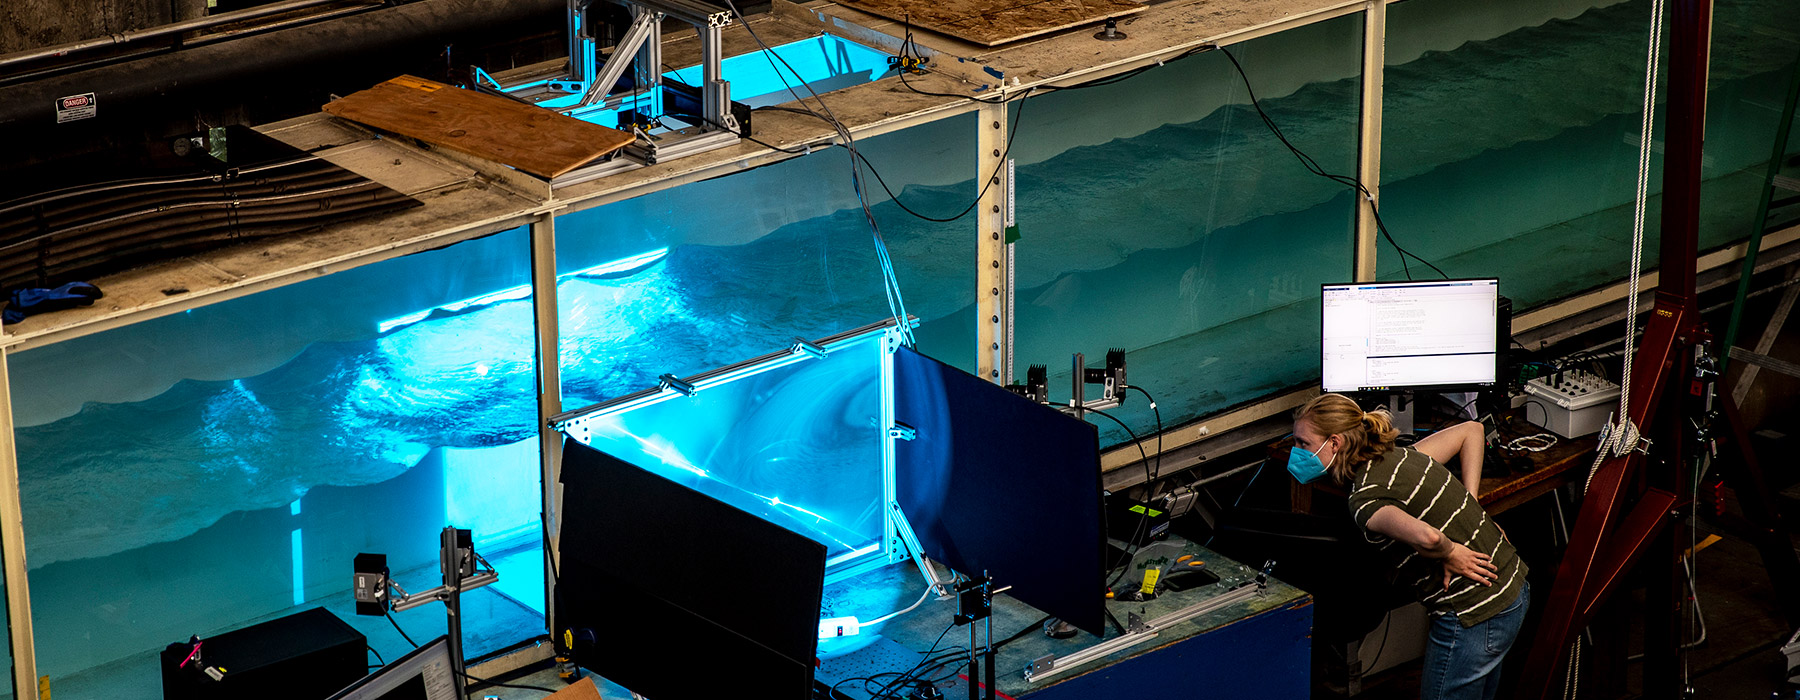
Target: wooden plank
x: 995, y: 22
x: 529, y: 138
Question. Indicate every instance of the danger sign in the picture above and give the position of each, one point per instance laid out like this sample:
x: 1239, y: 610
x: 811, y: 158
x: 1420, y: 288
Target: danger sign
x: 75, y: 107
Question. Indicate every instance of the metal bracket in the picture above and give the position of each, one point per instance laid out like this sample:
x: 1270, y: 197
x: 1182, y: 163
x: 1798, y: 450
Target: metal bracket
x: 645, y: 25
x: 670, y: 381
x: 808, y: 347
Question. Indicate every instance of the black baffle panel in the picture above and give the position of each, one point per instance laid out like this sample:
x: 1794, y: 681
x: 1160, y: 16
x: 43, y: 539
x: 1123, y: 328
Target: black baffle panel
x: 308, y: 655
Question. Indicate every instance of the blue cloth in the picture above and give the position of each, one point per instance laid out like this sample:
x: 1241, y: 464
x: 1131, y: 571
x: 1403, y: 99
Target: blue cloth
x: 25, y: 302
x: 1463, y: 663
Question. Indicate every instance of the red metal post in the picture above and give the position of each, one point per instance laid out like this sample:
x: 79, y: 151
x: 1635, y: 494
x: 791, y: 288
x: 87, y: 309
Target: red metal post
x: 1609, y: 538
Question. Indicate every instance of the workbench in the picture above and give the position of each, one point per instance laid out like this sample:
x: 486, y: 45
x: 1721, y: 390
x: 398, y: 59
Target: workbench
x: 1258, y: 647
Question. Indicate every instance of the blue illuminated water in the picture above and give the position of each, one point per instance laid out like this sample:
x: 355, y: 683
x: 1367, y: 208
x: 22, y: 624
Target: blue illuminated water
x: 160, y: 463
x: 820, y: 64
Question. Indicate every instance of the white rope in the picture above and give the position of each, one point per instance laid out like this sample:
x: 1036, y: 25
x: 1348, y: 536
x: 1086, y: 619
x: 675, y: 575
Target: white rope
x: 1623, y: 435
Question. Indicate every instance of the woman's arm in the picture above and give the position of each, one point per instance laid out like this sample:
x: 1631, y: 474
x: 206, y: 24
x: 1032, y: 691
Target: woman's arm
x: 1465, y: 441
x: 1428, y: 541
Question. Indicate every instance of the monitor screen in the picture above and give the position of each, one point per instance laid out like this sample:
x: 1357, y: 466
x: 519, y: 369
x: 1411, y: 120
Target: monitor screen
x: 997, y: 483
x: 660, y: 581
x: 424, y: 673
x: 1441, y: 334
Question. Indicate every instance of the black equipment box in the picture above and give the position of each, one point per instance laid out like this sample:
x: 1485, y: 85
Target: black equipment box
x: 308, y: 655
x: 1134, y: 522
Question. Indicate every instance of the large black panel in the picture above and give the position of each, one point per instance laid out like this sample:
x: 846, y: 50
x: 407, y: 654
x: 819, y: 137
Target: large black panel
x: 998, y: 483
x: 686, y: 597
x: 305, y: 656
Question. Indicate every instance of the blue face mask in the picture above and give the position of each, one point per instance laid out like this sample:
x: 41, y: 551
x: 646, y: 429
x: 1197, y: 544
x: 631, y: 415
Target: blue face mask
x: 1305, y: 466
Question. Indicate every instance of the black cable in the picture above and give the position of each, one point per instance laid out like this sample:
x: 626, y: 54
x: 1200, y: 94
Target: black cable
x: 887, y: 689
x: 1541, y: 407
x: 1145, y: 456
x: 1313, y: 166
x: 890, y: 279
x: 1012, y: 135
x: 396, y: 624
x: 377, y: 654
x: 1240, y: 496
x: 1386, y: 627
x: 1159, y: 429
x: 1021, y: 634
x: 498, y: 684
x: 1124, y: 566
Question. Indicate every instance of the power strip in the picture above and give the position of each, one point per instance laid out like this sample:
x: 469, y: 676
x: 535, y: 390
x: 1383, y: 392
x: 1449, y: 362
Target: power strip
x: 1575, y: 402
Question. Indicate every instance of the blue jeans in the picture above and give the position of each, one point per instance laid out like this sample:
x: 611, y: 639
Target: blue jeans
x: 1463, y: 663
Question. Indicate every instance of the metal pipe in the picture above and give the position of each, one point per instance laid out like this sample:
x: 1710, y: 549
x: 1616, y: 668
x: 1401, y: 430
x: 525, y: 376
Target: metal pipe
x: 546, y: 329
x: 177, y: 28
x: 339, y: 55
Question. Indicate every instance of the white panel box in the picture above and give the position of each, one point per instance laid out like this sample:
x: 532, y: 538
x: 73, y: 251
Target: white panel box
x: 1571, y: 403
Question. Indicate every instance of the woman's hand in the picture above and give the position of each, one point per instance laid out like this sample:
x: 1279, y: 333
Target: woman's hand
x: 1469, y: 564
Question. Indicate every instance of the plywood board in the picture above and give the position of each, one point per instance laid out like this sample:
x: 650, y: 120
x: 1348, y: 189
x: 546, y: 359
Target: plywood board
x: 995, y: 22
x: 530, y: 138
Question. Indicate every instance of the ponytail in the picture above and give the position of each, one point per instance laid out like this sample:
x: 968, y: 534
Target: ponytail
x: 1367, y: 434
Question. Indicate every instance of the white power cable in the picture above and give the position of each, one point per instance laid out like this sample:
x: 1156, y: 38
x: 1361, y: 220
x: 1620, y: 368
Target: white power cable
x: 897, y: 613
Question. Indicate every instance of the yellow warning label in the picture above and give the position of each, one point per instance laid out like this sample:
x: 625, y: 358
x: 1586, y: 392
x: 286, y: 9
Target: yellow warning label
x: 43, y: 688
x: 416, y: 83
x: 1150, y: 576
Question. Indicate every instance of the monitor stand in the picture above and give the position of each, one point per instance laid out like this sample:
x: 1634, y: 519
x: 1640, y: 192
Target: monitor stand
x: 1400, y: 404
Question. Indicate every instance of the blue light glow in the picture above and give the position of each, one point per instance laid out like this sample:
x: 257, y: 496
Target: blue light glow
x: 299, y: 567
x: 824, y: 63
x: 617, y: 268
x: 793, y: 440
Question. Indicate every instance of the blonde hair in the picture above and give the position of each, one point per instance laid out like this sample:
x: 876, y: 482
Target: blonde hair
x: 1367, y: 434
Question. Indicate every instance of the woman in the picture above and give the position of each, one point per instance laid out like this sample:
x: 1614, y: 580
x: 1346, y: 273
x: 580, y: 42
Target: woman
x: 1430, y: 528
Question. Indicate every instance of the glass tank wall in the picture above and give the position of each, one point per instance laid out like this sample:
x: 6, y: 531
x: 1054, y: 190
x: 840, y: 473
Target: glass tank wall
x: 1511, y: 150
x: 717, y: 272
x: 796, y: 440
x: 1159, y: 215
x: 210, y: 469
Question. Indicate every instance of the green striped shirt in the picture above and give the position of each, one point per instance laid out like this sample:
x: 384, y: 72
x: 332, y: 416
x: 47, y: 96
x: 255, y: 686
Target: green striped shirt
x: 1424, y: 489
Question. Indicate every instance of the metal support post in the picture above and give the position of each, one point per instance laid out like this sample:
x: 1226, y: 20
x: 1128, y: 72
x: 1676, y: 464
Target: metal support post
x: 647, y: 69
x: 1368, y: 161
x: 12, y: 545
x: 581, y: 44
x: 453, y: 578
x: 549, y: 401
x: 715, y: 93
x: 993, y: 288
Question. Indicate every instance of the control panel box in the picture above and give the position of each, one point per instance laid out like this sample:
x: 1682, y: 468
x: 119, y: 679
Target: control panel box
x: 1571, y: 403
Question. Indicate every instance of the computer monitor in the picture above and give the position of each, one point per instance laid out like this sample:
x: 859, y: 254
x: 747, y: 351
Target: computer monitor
x: 994, y: 482
x: 677, y: 595
x: 1390, y: 336
x: 424, y: 673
